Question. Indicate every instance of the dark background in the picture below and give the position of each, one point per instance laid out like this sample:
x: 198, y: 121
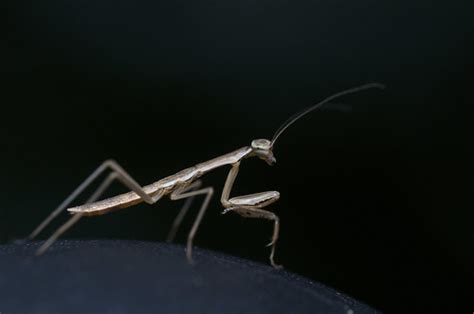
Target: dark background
x: 376, y: 196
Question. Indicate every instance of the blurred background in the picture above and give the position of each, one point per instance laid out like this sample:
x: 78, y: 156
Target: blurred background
x: 376, y: 191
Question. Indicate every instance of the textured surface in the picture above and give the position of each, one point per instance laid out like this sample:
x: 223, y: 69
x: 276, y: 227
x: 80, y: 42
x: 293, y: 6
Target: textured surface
x: 144, y: 277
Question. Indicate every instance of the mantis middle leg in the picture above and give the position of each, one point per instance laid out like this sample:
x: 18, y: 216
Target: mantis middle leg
x: 179, y: 218
x: 180, y: 194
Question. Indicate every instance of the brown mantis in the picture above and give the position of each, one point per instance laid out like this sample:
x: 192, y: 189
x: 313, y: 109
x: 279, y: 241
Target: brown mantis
x: 186, y: 185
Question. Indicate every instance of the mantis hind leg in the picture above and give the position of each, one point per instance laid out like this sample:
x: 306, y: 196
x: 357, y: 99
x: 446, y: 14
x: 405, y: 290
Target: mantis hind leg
x: 118, y: 173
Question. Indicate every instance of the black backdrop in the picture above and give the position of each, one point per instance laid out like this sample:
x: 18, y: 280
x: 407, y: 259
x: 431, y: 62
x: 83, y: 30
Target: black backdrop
x: 376, y: 191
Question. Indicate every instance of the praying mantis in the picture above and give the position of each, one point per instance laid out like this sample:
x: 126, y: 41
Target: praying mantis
x: 186, y: 184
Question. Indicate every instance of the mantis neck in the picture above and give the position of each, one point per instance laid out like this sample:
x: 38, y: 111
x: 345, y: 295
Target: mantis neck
x: 227, y: 159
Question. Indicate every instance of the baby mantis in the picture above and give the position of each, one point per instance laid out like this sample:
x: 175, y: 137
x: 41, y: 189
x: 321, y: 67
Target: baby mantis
x: 186, y: 185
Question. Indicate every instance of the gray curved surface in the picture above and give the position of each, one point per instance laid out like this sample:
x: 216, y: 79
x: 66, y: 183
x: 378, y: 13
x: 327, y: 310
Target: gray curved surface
x: 145, y: 277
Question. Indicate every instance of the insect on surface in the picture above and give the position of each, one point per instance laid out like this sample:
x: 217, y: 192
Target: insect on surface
x: 186, y: 185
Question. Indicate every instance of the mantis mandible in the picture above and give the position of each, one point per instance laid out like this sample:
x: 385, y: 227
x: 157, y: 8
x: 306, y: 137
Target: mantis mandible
x: 186, y: 185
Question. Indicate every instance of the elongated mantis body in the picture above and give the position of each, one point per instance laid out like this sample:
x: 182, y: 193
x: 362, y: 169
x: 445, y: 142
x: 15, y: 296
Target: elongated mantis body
x: 185, y: 185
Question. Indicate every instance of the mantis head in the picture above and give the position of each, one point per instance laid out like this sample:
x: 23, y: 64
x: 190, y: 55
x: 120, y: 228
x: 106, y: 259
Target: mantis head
x: 262, y: 148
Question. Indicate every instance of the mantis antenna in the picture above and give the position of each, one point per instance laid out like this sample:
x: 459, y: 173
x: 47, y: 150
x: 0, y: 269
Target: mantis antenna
x: 300, y: 114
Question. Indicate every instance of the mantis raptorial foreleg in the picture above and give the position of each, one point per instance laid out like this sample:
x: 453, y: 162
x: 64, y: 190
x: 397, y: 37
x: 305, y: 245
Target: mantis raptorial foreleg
x: 118, y: 173
x: 180, y: 195
x: 250, y: 206
x: 229, y: 183
x: 254, y: 212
